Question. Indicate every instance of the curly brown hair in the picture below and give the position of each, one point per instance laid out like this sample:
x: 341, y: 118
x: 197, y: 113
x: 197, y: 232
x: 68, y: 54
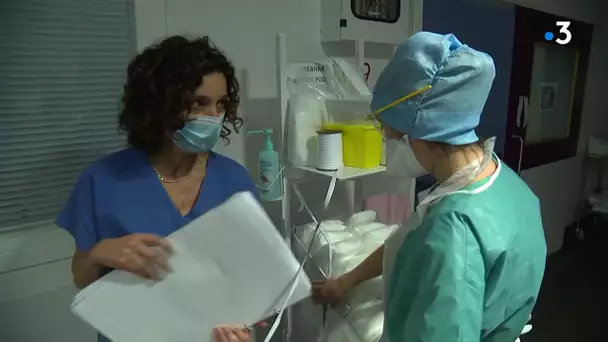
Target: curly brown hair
x: 160, y: 86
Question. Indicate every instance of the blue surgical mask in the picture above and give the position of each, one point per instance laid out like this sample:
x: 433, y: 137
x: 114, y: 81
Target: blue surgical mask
x: 200, y: 134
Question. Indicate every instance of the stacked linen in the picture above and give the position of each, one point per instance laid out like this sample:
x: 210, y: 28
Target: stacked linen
x: 367, y: 320
x: 329, y: 234
x: 364, y: 319
x: 337, y: 248
x: 361, y: 218
x: 375, y: 233
x: 362, y: 324
x: 341, y: 257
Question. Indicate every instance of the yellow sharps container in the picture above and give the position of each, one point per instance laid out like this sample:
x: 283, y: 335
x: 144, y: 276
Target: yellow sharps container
x: 361, y: 144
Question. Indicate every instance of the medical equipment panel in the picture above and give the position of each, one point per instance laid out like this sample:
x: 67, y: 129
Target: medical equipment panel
x: 380, y: 21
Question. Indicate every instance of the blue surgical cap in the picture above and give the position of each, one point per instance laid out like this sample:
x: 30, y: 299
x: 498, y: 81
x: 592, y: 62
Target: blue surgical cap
x: 449, y: 112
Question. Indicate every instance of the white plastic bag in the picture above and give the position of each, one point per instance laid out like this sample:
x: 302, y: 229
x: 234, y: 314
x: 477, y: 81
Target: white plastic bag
x: 362, y: 217
x: 368, y: 320
x: 378, y: 236
x: 350, y: 247
x: 309, y: 85
x: 363, y: 324
x: 345, y: 263
x: 305, y: 232
x: 306, y: 110
x: 331, y: 257
x: 342, y: 332
x: 306, y: 113
x: 329, y: 238
x: 393, y: 227
x: 372, y: 289
x: 368, y: 227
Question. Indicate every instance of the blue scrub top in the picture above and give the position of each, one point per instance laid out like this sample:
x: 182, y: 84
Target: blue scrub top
x: 121, y: 195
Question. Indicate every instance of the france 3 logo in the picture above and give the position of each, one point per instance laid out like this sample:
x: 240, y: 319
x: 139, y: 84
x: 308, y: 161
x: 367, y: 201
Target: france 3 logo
x: 564, y: 35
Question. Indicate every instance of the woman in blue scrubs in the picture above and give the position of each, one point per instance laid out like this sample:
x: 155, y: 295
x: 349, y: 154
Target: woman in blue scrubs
x: 181, y: 96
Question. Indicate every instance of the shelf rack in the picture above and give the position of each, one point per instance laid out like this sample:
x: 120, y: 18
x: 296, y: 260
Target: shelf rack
x: 347, y: 175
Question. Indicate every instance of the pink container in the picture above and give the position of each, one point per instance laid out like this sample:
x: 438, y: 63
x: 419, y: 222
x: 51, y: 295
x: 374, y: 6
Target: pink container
x: 390, y: 208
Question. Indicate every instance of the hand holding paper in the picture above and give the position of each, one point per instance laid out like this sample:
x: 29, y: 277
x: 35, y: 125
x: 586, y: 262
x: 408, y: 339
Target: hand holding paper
x: 140, y: 254
x: 227, y: 268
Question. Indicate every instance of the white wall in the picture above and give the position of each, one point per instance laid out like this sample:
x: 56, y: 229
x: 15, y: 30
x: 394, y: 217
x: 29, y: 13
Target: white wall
x: 35, y: 284
x: 251, y: 44
x: 36, y: 288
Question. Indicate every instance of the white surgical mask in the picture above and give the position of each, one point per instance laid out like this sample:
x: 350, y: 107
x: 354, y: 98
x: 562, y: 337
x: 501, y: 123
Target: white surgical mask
x: 402, y: 162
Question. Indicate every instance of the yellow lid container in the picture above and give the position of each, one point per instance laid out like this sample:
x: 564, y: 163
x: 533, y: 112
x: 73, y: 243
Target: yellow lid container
x: 361, y: 144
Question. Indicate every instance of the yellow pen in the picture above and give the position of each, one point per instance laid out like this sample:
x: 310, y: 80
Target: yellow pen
x: 398, y: 101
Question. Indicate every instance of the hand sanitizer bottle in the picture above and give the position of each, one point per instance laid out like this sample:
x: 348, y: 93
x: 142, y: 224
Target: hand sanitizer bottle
x: 270, y: 182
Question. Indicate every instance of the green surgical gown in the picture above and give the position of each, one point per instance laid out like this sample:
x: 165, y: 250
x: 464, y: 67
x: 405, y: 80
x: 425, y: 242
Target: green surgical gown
x: 472, y: 269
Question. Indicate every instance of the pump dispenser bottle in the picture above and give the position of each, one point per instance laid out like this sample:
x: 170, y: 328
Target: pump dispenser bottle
x: 269, y: 168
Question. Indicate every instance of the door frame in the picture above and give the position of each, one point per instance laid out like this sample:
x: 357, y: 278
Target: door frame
x: 530, y: 28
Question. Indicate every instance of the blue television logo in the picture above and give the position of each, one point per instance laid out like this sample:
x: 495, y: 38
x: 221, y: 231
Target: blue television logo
x: 563, y: 30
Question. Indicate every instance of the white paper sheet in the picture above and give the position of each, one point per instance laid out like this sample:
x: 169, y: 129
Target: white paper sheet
x: 230, y: 266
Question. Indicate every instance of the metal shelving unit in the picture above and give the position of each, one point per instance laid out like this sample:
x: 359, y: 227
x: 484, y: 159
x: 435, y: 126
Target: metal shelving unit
x: 347, y: 176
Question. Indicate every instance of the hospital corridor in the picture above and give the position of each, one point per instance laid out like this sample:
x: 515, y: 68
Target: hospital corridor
x: 303, y: 171
x: 573, y: 295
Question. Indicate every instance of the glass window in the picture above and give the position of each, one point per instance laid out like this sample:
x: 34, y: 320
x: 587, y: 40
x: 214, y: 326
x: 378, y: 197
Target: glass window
x: 377, y: 10
x: 551, y: 93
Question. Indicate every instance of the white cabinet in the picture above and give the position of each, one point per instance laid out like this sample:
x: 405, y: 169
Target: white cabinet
x: 381, y: 21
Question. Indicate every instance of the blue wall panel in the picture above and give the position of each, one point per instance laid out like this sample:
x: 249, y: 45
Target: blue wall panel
x: 488, y: 26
